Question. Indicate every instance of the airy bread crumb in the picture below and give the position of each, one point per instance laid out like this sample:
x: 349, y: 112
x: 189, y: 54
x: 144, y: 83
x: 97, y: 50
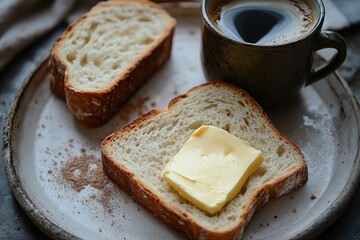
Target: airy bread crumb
x: 135, y: 156
x: 104, y: 57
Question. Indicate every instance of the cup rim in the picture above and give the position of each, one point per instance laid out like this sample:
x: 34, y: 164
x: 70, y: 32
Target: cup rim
x: 317, y: 26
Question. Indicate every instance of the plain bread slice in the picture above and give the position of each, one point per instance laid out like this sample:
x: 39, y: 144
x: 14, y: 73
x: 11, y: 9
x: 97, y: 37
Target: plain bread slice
x: 135, y: 156
x: 104, y: 57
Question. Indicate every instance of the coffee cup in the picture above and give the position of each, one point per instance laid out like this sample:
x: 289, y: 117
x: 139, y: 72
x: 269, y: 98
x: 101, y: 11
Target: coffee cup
x: 267, y: 47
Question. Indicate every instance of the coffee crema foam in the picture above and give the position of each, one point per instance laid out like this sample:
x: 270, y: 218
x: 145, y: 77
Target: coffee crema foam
x: 261, y: 22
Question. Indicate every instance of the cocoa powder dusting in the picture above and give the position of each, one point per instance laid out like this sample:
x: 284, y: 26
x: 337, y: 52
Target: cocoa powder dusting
x: 86, y: 170
x: 138, y: 107
x: 83, y: 171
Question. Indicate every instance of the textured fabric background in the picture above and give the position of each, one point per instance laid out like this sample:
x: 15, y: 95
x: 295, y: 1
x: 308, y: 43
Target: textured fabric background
x: 22, y: 22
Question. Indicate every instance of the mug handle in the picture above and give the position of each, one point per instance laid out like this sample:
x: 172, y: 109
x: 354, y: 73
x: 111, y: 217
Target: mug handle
x: 329, y: 39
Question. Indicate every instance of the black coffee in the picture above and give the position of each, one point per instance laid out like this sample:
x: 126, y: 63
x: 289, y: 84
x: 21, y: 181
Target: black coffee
x: 265, y: 22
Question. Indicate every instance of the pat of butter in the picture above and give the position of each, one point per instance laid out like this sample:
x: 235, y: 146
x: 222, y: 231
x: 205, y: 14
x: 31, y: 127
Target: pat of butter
x: 211, y: 167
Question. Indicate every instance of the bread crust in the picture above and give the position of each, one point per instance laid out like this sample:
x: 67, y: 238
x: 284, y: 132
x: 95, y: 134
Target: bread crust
x: 94, y: 108
x: 179, y: 221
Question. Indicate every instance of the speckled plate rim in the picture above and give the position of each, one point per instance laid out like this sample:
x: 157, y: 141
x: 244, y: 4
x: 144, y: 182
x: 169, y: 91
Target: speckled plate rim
x: 44, y: 224
x: 56, y: 232
x: 338, y: 206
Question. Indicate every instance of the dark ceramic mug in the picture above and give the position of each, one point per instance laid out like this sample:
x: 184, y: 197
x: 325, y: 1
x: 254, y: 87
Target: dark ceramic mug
x: 271, y: 74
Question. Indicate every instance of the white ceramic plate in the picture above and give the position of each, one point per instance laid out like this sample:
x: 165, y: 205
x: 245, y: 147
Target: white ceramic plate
x: 42, y: 137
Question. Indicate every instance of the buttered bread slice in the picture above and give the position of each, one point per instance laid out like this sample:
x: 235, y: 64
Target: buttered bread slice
x: 104, y: 57
x: 135, y: 158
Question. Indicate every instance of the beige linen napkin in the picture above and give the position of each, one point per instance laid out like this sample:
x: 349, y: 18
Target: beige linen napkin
x: 22, y: 22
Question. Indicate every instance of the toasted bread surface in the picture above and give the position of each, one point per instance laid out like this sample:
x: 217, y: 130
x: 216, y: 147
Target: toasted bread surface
x: 135, y: 156
x: 104, y: 57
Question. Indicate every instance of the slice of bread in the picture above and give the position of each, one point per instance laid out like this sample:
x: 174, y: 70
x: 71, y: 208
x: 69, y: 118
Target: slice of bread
x: 135, y: 156
x: 105, y: 56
